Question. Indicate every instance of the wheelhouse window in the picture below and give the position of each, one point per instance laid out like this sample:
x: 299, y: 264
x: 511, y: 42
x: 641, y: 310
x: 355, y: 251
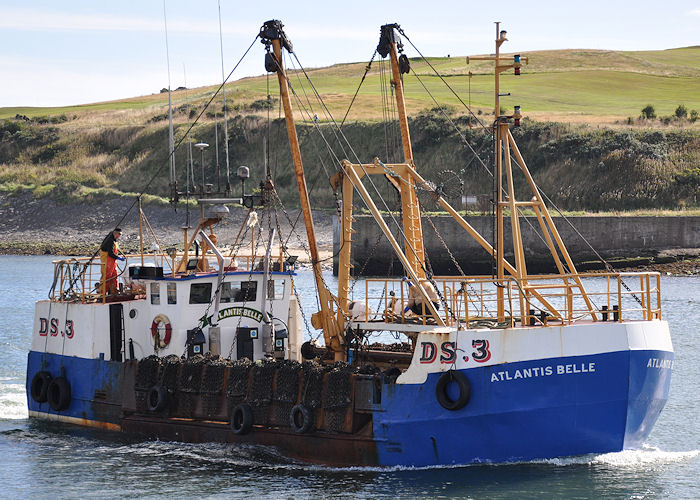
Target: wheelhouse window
x: 155, y: 293
x: 172, y: 293
x: 275, y: 289
x: 200, y: 293
x: 239, y: 291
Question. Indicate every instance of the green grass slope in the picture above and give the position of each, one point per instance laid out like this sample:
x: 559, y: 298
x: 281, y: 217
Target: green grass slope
x: 577, y: 82
x: 601, y: 157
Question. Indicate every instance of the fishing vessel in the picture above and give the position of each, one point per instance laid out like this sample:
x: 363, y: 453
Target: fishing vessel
x: 209, y: 345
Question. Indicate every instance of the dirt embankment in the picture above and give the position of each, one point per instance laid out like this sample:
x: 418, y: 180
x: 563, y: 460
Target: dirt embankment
x: 32, y: 226
x: 41, y: 226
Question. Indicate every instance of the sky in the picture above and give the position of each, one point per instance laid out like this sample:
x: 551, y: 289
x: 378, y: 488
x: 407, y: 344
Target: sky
x: 83, y: 51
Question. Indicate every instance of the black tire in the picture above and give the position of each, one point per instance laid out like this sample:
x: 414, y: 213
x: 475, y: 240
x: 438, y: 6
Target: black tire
x: 58, y: 394
x: 301, y: 419
x: 307, y: 350
x: 40, y: 386
x: 241, y: 419
x: 390, y: 375
x: 465, y: 391
x: 157, y: 398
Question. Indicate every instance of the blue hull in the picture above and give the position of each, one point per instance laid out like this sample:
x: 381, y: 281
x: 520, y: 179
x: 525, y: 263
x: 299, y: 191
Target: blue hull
x: 96, y: 387
x: 524, y: 411
x: 517, y: 411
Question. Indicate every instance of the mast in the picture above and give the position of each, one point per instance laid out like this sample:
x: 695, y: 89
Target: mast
x: 505, y: 149
x: 390, y: 44
x: 332, y: 326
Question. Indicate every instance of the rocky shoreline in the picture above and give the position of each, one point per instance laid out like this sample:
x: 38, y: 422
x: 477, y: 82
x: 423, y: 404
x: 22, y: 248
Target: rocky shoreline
x: 40, y: 226
x: 31, y: 226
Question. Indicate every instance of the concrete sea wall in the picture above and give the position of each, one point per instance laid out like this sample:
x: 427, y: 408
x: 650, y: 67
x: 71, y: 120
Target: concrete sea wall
x: 614, y: 238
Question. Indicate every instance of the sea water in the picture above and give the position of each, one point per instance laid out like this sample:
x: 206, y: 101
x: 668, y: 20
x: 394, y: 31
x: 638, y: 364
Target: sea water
x: 42, y: 460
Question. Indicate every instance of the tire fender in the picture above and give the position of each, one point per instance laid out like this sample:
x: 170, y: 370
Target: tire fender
x: 59, y: 394
x: 301, y: 419
x: 464, y: 390
x: 241, y: 419
x: 40, y: 386
x: 157, y: 398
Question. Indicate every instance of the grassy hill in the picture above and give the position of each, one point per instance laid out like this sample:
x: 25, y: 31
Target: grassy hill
x: 559, y: 83
x: 91, y: 151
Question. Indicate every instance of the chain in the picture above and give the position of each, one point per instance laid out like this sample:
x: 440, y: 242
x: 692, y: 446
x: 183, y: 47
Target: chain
x: 277, y: 200
x: 356, y: 276
x: 250, y: 277
x: 459, y: 268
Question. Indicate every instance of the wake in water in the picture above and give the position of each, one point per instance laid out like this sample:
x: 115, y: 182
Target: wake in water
x: 13, y: 406
x: 627, y: 458
x: 13, y: 400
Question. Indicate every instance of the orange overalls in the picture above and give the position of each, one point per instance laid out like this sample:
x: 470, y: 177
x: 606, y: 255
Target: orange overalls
x: 109, y: 270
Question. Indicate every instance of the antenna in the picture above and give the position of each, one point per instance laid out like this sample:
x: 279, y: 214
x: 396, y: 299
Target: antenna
x: 190, y: 174
x: 501, y: 64
x: 216, y: 146
x: 202, y: 146
x: 171, y: 138
x: 223, y: 88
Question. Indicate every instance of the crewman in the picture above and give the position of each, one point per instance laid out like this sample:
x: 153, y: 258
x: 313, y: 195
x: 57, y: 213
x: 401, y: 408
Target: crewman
x: 415, y: 299
x: 109, y: 255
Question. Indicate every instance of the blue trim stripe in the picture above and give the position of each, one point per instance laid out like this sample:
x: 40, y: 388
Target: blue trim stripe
x: 190, y: 277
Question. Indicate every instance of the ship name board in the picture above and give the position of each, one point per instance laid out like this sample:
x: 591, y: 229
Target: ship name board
x: 660, y: 363
x: 542, y: 371
x: 230, y: 312
x: 52, y: 327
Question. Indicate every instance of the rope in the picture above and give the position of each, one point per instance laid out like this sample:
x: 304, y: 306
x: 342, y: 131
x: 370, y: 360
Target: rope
x: 358, y: 87
x: 171, y: 155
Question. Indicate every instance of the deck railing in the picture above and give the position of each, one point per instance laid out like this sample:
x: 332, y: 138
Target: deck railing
x: 79, y: 279
x: 539, y: 300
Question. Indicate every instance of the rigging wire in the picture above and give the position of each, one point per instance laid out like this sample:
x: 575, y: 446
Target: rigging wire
x: 338, y: 132
x: 607, y: 265
x: 483, y: 125
x: 385, y: 107
x: 159, y: 170
x: 476, y: 154
x: 352, y: 101
x: 171, y: 140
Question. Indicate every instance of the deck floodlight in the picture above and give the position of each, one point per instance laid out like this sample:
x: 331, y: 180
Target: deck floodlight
x: 243, y: 173
x: 219, y: 211
x: 291, y: 260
